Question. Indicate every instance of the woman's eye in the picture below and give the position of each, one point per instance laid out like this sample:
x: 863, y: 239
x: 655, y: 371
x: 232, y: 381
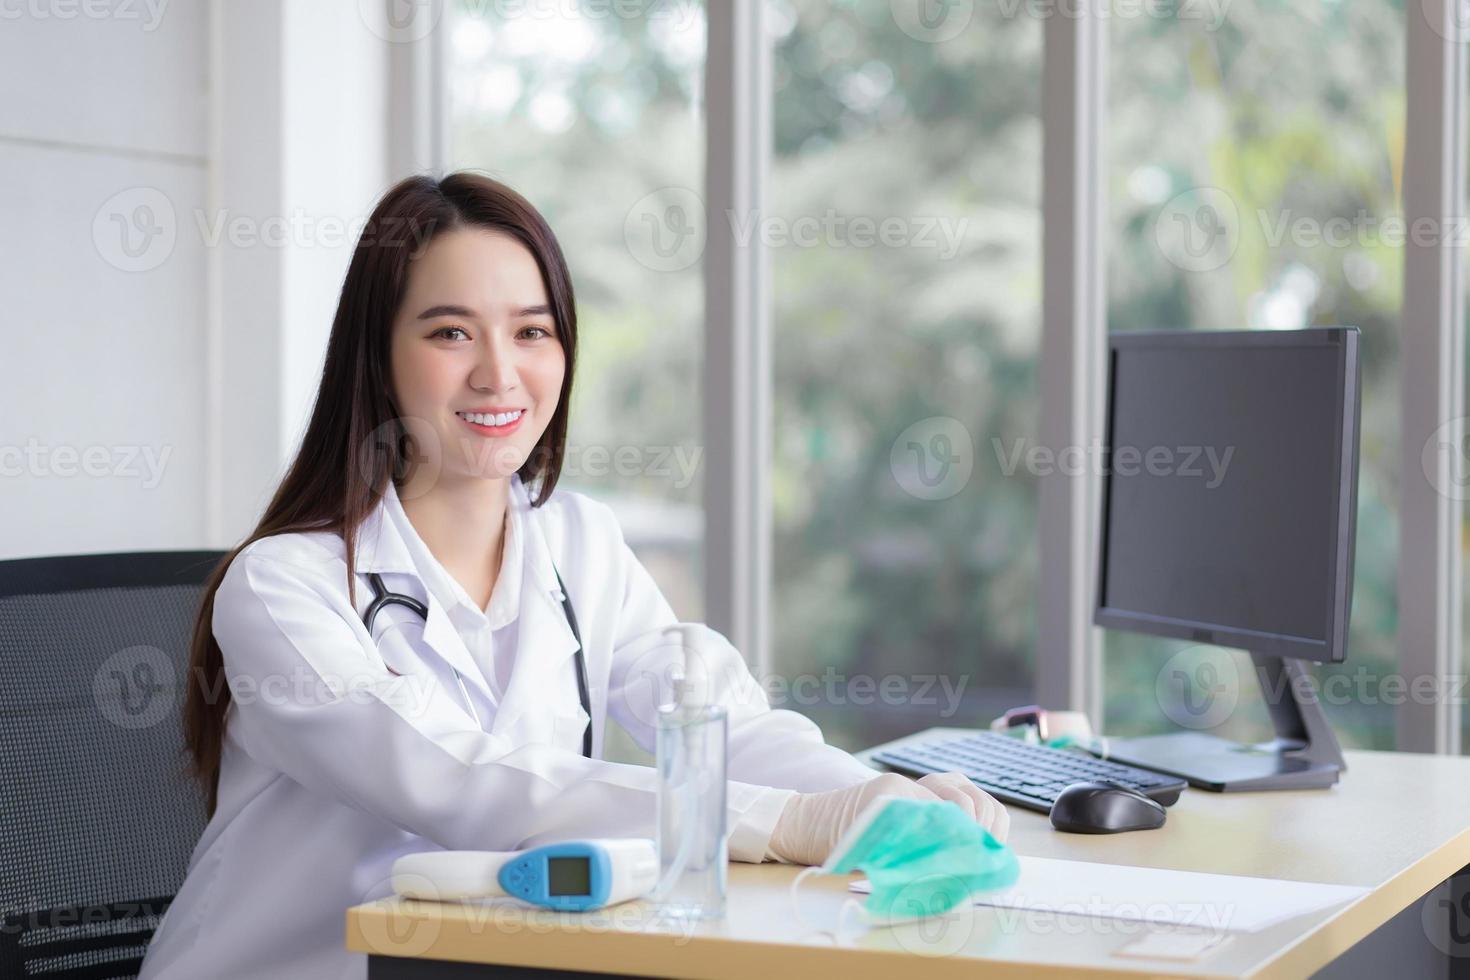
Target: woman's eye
x: 541, y: 331
x: 445, y: 331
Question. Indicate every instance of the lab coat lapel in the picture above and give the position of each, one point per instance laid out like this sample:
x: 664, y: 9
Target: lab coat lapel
x: 541, y: 699
x: 441, y: 637
x: 380, y: 548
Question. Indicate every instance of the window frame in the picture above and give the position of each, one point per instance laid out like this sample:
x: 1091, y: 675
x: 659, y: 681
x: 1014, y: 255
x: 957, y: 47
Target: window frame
x: 737, y: 332
x: 1432, y: 367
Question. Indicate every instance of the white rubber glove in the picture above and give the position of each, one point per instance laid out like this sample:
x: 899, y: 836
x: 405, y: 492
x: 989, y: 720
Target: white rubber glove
x: 812, y: 823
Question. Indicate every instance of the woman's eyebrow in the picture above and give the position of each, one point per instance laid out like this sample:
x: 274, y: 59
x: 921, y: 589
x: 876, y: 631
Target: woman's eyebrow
x: 446, y: 310
x: 464, y: 311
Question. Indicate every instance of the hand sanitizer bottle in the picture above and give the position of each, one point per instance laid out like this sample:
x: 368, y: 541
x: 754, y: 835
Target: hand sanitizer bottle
x: 691, y: 754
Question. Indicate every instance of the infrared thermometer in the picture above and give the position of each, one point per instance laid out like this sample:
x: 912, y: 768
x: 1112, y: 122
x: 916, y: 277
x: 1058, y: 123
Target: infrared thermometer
x: 569, y: 876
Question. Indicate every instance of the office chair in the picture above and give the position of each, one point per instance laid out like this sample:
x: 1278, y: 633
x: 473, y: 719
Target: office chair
x: 97, y: 815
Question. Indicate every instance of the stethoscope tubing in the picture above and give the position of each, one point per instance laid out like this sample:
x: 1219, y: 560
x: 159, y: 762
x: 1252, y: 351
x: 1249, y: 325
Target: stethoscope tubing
x: 384, y: 598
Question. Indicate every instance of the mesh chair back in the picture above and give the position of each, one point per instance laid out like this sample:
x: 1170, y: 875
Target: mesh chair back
x: 97, y: 815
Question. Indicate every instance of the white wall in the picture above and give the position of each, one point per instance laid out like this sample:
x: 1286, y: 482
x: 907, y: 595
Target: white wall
x: 337, y: 126
x: 303, y: 147
x: 176, y: 370
x: 101, y: 118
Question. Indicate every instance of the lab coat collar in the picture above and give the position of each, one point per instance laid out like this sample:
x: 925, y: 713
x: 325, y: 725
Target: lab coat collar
x: 505, y: 600
x: 545, y: 637
x: 382, y: 548
x: 542, y: 693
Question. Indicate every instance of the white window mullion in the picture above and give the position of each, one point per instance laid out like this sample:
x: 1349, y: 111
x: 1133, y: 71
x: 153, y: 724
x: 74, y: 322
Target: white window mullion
x: 1432, y: 357
x: 737, y: 360
x: 418, y: 130
x: 1073, y: 335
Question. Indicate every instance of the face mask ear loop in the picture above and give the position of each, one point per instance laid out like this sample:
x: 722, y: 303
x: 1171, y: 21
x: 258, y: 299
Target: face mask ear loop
x: 796, y: 902
x: 841, y: 936
x: 837, y: 935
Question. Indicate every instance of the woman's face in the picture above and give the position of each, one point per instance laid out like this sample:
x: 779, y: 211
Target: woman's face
x: 474, y: 343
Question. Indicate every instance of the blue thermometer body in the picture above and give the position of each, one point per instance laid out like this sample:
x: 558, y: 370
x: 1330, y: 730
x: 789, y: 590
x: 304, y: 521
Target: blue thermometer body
x: 569, y: 876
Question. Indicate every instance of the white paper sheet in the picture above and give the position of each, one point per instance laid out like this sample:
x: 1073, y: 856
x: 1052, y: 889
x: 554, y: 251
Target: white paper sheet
x: 1218, y: 903
x: 1177, y: 945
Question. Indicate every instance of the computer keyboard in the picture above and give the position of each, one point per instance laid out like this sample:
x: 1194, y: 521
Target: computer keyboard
x: 1029, y: 776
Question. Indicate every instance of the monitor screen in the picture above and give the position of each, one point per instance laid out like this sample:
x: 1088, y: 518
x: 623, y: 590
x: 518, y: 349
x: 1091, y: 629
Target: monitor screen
x: 1224, y: 496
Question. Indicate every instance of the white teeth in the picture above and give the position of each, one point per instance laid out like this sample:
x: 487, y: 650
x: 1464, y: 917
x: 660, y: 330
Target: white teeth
x: 479, y: 418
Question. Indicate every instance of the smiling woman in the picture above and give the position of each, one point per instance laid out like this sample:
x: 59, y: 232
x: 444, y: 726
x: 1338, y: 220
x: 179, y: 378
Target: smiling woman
x: 466, y: 247
x: 478, y: 364
x: 462, y: 704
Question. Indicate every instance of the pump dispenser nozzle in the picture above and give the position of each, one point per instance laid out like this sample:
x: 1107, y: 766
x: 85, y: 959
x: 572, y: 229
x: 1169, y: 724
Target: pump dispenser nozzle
x: 685, y: 675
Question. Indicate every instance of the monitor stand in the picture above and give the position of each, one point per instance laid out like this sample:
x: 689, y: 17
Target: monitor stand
x: 1304, y: 754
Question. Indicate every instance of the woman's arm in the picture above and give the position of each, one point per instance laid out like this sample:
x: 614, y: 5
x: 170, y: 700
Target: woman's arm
x: 768, y: 747
x: 311, y: 703
x: 776, y: 748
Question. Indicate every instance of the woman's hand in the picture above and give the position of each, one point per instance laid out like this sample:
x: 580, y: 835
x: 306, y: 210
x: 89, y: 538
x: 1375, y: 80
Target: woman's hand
x: 812, y: 823
x: 986, y: 810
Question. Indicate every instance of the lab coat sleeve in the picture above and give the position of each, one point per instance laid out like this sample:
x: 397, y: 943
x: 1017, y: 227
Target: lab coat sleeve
x: 774, y: 750
x: 309, y: 701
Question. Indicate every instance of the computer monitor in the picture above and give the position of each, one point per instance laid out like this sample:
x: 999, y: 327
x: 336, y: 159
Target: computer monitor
x: 1230, y: 470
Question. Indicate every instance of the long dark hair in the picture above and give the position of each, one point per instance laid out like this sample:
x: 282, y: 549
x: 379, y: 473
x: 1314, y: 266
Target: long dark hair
x: 354, y: 442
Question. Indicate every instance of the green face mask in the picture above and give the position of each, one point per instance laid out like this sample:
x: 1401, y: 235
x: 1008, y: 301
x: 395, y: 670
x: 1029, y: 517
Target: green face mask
x: 922, y: 857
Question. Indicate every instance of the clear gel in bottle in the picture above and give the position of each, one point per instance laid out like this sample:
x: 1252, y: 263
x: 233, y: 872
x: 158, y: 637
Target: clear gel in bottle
x: 691, y: 754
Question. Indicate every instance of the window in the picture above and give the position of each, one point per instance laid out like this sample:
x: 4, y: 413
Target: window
x: 1254, y: 166
x: 596, y: 118
x: 904, y: 236
x: 1254, y: 161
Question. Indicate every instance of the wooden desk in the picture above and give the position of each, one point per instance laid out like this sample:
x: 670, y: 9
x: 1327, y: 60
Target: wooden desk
x: 1396, y: 823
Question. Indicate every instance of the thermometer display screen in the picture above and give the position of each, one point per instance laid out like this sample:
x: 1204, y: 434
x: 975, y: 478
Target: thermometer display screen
x: 568, y: 876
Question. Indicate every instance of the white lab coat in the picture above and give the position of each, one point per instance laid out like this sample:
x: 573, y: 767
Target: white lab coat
x: 342, y: 753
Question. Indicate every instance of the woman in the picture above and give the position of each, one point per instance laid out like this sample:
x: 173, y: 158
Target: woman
x: 328, y: 745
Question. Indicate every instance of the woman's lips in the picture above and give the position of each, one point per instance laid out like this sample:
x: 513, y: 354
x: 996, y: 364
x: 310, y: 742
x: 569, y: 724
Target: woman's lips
x: 493, y: 430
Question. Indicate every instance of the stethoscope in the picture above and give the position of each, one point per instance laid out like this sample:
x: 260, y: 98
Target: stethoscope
x: 385, y: 598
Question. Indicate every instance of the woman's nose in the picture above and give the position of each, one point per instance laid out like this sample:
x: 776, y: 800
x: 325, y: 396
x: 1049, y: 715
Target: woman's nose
x: 496, y: 368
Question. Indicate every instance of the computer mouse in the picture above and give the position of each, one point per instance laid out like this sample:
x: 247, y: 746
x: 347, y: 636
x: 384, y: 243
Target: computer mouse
x: 1104, y: 808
